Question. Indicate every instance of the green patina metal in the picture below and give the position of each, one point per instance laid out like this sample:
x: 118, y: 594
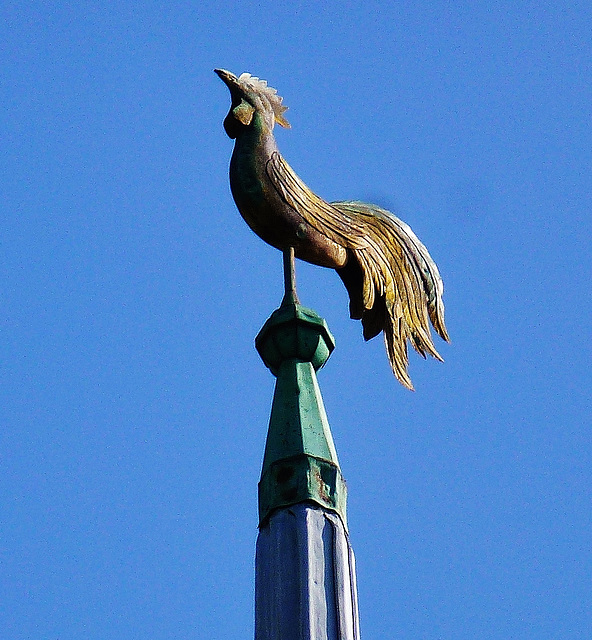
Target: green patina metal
x: 300, y: 462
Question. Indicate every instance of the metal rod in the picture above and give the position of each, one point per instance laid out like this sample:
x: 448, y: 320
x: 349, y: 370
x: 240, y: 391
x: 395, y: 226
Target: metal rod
x: 290, y: 295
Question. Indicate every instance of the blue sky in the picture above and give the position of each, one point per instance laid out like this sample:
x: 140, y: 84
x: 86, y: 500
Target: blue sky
x: 133, y: 406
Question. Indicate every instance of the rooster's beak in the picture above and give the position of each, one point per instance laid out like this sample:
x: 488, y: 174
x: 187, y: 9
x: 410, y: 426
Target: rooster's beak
x: 229, y: 79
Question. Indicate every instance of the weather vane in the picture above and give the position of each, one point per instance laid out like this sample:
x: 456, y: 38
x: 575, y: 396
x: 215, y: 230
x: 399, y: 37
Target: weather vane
x: 393, y: 284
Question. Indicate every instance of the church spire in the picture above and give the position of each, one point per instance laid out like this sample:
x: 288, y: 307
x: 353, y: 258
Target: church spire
x: 305, y: 574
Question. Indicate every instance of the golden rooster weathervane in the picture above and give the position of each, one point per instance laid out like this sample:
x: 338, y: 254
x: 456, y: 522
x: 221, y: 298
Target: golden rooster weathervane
x: 393, y: 283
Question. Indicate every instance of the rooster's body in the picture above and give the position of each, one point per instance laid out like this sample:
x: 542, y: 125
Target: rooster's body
x: 393, y: 284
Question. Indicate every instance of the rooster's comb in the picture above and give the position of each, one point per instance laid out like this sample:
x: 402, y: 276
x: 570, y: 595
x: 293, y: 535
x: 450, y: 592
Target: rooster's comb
x: 267, y: 93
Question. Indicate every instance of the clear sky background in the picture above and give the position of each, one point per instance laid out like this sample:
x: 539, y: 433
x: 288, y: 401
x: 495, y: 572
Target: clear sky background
x: 133, y: 406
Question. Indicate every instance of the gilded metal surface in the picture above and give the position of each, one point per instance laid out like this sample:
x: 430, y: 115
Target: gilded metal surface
x: 393, y: 284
